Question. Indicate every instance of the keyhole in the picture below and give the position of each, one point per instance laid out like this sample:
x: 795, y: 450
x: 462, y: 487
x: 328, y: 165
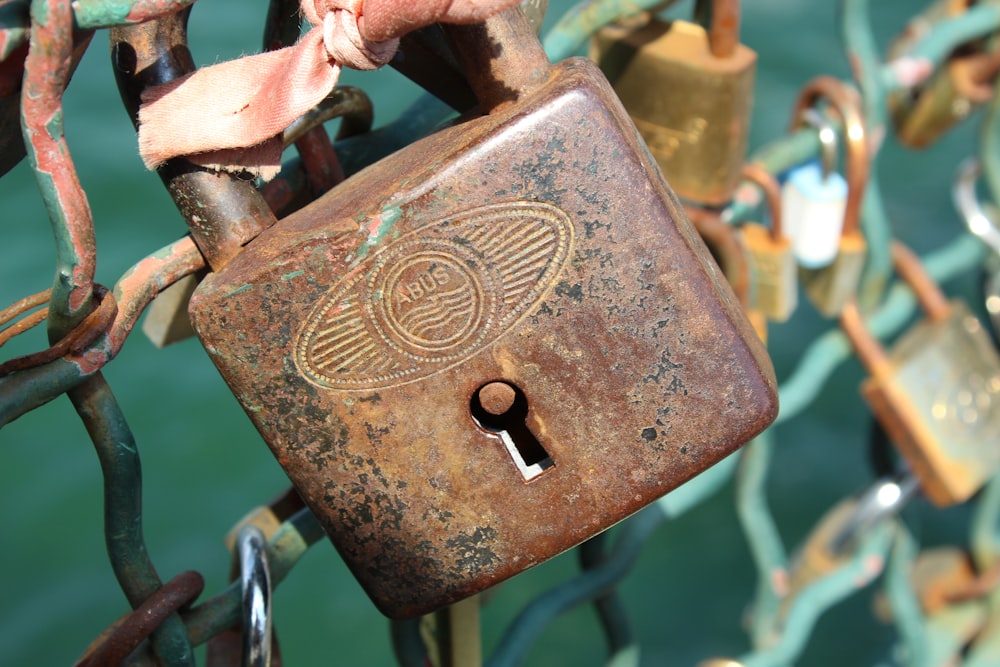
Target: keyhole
x: 502, y: 408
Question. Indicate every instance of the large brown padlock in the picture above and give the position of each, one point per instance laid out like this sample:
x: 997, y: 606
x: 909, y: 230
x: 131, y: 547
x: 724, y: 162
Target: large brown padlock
x: 937, y: 391
x: 689, y: 92
x: 493, y: 344
x: 732, y: 258
x: 830, y: 287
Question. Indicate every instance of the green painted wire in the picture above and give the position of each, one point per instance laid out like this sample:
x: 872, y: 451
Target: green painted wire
x: 762, y: 536
x: 119, y: 458
x: 906, y: 612
x: 533, y: 619
x: 828, y: 351
x: 989, y: 154
x: 582, y: 20
x: 947, y: 35
x: 862, y: 53
x: 819, y: 596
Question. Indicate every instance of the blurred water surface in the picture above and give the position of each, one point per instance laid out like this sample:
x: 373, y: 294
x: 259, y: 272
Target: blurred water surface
x: 204, y: 465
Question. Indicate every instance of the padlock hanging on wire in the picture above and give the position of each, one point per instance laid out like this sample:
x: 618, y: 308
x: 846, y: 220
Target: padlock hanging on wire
x: 774, y: 286
x: 937, y: 391
x: 492, y: 344
x: 689, y: 91
x: 830, y: 248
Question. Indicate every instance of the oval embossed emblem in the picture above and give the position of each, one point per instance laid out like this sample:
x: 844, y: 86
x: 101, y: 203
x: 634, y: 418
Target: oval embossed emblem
x: 434, y: 297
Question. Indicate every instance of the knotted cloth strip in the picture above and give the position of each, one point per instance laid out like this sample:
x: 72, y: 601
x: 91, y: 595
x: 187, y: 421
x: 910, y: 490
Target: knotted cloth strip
x: 230, y: 116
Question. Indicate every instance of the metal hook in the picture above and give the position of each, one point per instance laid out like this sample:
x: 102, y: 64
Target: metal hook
x: 255, y: 580
x: 827, y: 139
x: 884, y: 499
x: 963, y: 193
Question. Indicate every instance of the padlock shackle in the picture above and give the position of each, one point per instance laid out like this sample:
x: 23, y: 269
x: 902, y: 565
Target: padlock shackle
x: 932, y: 301
x: 501, y: 57
x: 726, y: 248
x: 222, y: 211
x: 724, y: 29
x: 772, y: 194
x: 908, y: 266
x: 867, y: 348
x: 846, y: 103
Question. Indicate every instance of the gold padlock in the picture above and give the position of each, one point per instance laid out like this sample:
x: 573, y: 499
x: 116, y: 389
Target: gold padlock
x: 689, y: 92
x: 937, y: 391
x: 921, y: 115
x: 774, y: 291
x: 831, y: 286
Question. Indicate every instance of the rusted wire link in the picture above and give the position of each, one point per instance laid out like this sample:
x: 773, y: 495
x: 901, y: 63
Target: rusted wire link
x: 25, y: 324
x: 127, y: 633
x: 46, y: 72
x: 22, y: 306
x: 119, y: 458
x: 82, y: 336
x: 19, y: 308
x: 25, y: 390
x: 290, y: 187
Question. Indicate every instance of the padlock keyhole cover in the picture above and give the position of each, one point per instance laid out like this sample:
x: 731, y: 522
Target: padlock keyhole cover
x: 502, y: 408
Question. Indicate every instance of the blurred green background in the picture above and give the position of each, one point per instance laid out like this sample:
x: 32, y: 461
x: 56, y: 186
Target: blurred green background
x: 204, y: 465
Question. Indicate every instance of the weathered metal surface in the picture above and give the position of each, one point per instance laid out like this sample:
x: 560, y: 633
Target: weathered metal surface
x: 222, y: 211
x: 118, y: 641
x: 936, y: 391
x: 689, y: 92
x: 47, y: 69
x: 537, y: 246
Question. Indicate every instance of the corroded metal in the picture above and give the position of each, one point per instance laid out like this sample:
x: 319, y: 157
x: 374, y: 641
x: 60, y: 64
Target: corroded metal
x: 118, y: 641
x: 222, y: 211
x: 47, y: 70
x: 537, y: 246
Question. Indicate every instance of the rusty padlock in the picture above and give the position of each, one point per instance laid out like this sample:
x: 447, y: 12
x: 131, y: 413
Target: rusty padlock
x: 493, y: 344
x: 832, y: 253
x: 937, y: 391
x: 689, y: 92
x: 774, y: 290
x: 732, y: 258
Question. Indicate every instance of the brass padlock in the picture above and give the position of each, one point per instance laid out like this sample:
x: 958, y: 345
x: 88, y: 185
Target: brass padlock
x: 689, y: 92
x: 494, y: 343
x: 829, y: 287
x: 924, y: 113
x: 937, y: 391
x: 774, y: 290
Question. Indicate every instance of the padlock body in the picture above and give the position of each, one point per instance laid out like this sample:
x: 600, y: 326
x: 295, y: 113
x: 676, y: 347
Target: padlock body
x: 536, y: 246
x: 940, y: 404
x: 691, y: 108
x: 774, y: 282
x: 923, y: 116
x: 830, y: 287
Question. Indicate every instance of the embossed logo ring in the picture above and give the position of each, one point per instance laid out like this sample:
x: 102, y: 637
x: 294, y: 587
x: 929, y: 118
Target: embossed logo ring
x: 432, y: 300
x: 434, y: 296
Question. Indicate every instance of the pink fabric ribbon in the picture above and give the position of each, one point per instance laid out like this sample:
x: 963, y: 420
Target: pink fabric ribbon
x: 230, y: 116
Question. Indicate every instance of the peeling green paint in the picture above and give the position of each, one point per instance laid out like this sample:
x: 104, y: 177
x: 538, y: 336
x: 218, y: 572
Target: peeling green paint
x: 55, y: 126
x: 380, y: 226
x: 293, y: 274
x: 40, y: 12
x: 238, y: 290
